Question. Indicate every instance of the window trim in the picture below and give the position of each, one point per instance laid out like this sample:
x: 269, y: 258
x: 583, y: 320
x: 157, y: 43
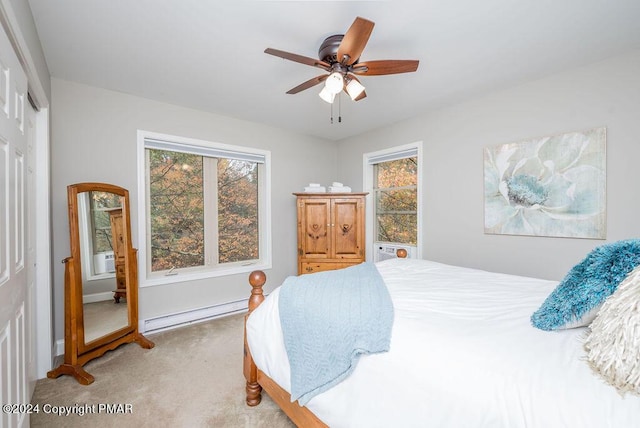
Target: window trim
x: 264, y: 203
x: 392, y: 153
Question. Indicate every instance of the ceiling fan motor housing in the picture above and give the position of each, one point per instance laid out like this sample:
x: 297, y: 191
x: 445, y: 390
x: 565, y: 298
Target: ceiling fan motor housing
x: 328, y: 51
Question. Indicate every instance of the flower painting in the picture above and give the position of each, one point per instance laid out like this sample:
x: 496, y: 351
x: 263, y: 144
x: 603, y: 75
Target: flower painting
x: 550, y: 186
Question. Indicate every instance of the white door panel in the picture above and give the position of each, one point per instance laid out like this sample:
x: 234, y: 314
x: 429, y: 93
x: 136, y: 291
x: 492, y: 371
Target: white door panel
x: 14, y: 333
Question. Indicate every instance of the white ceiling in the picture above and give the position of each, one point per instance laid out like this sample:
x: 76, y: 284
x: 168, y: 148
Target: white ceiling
x: 209, y: 54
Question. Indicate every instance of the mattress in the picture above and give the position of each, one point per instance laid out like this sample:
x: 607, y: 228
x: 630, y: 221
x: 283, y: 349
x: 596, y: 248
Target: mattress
x: 463, y: 353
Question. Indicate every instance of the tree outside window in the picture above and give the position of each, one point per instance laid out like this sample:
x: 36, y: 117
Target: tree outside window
x: 396, y: 201
x: 203, y: 211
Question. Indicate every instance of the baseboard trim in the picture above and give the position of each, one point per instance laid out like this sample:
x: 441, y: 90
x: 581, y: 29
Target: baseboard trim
x: 97, y: 297
x: 179, y: 319
x: 58, y: 350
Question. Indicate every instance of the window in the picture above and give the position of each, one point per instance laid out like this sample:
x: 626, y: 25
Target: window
x: 205, y: 209
x: 393, y: 177
x: 396, y: 200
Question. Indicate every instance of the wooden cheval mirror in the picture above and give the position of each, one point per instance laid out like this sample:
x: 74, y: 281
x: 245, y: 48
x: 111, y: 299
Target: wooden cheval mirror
x: 101, y: 278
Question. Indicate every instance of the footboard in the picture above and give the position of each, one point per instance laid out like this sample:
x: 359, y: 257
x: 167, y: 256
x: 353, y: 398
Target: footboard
x: 252, y: 375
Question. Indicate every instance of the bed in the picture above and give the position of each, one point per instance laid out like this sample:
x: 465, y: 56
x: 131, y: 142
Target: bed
x: 463, y: 352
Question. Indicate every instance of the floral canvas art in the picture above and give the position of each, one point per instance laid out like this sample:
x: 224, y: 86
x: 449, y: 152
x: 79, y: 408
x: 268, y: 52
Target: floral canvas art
x: 550, y: 186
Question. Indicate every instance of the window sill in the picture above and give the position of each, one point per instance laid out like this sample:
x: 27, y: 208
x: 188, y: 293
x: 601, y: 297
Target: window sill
x: 184, y: 276
x: 100, y: 276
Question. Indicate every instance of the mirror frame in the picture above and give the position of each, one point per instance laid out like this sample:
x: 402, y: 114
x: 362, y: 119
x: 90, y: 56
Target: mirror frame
x: 77, y: 353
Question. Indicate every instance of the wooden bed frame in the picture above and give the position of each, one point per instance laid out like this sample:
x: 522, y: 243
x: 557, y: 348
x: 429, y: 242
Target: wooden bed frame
x: 258, y: 381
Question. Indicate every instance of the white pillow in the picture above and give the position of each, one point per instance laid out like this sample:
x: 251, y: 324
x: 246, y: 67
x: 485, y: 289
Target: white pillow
x: 613, y: 343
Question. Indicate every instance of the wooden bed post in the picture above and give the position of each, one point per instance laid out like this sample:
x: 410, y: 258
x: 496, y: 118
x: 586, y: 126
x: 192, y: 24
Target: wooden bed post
x: 257, y: 381
x: 254, y: 390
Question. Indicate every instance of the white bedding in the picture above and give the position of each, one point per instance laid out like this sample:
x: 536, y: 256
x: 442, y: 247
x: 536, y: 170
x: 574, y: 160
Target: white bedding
x: 463, y: 354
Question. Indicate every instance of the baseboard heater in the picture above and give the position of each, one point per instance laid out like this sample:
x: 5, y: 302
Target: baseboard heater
x: 179, y: 319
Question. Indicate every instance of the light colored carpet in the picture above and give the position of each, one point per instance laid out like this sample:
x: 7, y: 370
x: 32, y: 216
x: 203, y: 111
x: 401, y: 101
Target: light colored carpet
x: 191, y: 378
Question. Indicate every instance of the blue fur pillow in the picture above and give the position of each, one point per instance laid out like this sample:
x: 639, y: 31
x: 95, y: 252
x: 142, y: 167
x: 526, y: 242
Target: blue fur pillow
x: 576, y: 300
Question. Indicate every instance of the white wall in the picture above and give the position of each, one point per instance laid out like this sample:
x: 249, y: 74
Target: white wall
x: 603, y: 94
x: 94, y: 139
x: 94, y: 135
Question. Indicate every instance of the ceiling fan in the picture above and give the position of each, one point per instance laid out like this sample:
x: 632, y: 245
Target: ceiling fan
x: 339, y: 56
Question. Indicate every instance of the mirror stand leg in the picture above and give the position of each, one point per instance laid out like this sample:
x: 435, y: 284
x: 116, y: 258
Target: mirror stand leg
x: 143, y: 341
x: 76, y: 371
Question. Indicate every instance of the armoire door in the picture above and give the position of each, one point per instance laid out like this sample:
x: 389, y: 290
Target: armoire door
x: 314, y: 216
x: 347, y: 228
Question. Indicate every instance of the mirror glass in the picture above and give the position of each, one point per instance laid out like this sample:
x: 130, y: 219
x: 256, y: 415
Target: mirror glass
x: 104, y: 296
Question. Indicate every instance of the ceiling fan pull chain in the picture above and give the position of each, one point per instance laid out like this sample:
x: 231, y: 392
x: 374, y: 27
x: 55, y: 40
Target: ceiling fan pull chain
x: 332, y: 113
x: 339, y: 108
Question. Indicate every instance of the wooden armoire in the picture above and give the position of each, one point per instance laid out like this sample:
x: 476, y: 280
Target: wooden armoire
x: 117, y: 231
x: 331, y: 230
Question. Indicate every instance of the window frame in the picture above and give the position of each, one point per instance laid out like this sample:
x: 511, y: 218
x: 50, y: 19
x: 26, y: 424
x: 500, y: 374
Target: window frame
x: 149, y: 278
x: 369, y: 160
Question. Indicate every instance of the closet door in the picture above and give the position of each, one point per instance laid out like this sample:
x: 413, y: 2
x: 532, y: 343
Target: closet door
x: 14, y: 329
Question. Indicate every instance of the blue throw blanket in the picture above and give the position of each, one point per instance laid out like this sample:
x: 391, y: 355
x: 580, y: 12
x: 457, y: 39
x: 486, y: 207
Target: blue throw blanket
x: 328, y: 320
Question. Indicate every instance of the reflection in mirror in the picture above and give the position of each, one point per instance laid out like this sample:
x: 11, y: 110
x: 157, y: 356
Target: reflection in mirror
x: 101, y: 226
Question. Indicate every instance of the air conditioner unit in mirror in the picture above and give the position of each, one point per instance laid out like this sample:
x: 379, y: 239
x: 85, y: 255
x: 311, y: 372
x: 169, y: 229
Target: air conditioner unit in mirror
x: 104, y: 263
x: 390, y: 251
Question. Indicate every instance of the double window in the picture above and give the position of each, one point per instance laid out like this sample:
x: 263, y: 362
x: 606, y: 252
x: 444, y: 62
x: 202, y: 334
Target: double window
x: 205, y: 205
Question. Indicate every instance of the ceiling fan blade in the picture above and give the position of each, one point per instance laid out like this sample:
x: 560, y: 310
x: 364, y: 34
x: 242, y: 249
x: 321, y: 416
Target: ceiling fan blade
x: 308, y: 84
x: 354, y: 41
x: 298, y: 58
x: 378, y: 68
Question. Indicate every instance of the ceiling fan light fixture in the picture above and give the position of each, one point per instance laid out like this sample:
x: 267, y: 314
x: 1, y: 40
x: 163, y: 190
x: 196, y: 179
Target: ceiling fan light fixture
x: 327, y: 95
x: 339, y: 57
x: 334, y: 83
x: 354, y: 88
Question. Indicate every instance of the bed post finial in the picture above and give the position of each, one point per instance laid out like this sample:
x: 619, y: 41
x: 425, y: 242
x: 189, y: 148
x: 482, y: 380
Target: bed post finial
x: 257, y: 278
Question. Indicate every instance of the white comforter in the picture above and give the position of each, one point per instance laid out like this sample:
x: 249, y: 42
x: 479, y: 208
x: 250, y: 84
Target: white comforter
x: 463, y: 354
